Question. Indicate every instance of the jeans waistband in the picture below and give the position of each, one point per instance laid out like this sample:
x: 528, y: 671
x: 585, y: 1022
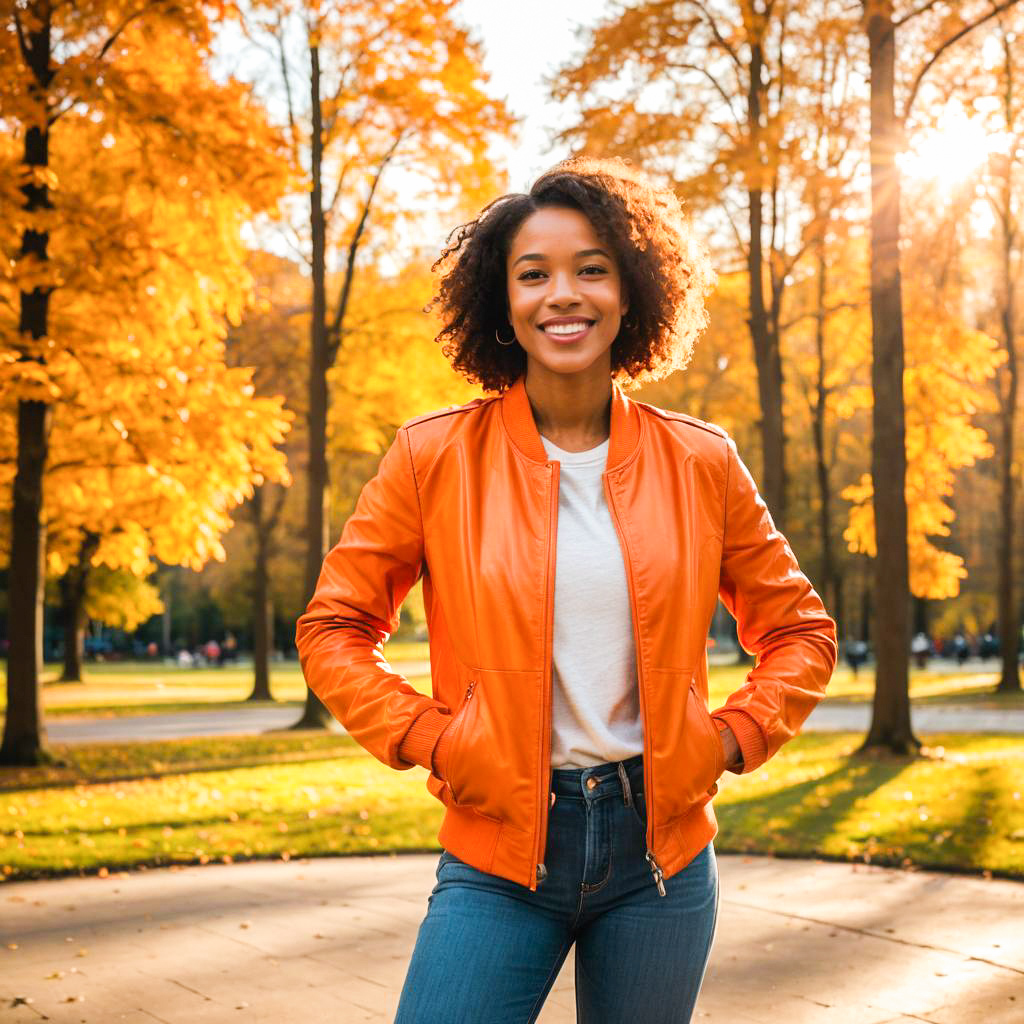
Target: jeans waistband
x: 575, y: 781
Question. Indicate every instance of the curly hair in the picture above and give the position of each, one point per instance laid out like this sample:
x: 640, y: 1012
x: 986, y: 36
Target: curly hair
x: 665, y: 271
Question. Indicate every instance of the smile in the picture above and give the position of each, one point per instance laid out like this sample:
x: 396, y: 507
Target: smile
x: 567, y: 330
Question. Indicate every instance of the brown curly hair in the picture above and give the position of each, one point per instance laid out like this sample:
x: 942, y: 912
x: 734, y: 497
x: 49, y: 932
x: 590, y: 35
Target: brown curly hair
x: 665, y: 271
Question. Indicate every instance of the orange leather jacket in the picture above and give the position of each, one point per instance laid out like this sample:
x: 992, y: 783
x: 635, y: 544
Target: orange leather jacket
x: 467, y: 497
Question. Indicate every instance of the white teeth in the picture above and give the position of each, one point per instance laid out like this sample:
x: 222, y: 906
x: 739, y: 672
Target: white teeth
x: 567, y: 328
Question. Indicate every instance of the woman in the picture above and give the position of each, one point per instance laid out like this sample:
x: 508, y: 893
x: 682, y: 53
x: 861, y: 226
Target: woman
x: 573, y: 544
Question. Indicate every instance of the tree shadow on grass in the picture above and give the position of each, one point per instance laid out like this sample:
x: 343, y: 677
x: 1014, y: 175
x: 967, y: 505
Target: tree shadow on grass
x: 800, y: 817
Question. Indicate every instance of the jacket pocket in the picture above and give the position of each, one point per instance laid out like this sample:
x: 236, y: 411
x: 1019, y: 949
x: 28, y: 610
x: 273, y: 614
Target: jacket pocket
x: 711, y: 731
x: 457, y: 728
x: 686, y: 752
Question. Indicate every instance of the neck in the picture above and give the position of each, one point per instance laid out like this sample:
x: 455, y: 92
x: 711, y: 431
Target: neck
x: 572, y: 411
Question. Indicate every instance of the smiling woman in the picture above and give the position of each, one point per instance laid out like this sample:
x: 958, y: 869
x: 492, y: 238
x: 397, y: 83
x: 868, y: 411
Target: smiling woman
x: 573, y: 544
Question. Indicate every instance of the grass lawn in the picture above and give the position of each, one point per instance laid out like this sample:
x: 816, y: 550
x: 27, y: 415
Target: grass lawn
x: 131, y: 688
x: 295, y: 795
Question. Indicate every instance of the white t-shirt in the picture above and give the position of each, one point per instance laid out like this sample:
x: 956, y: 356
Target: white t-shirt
x: 595, y: 699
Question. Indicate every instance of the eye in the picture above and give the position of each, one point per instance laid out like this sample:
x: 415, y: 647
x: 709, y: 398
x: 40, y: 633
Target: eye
x: 594, y: 266
x: 525, y: 276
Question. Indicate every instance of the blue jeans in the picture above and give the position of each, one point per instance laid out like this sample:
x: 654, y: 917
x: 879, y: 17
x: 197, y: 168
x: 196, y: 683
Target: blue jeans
x: 489, y: 950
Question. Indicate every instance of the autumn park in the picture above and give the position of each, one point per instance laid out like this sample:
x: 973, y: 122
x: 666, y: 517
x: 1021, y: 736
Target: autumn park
x: 220, y: 225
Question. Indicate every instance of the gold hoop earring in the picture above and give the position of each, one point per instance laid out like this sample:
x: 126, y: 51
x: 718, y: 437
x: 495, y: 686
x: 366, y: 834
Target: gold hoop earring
x: 512, y: 341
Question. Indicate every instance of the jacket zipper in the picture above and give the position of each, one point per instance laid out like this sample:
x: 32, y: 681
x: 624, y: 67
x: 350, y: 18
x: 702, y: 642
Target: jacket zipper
x: 652, y: 862
x: 544, y: 776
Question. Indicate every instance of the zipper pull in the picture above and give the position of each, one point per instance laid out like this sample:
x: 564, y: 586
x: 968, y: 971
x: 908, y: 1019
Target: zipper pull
x: 469, y: 690
x: 656, y: 871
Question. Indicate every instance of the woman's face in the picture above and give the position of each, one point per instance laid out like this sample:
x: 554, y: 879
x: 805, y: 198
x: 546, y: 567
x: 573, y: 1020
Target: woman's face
x: 565, y: 295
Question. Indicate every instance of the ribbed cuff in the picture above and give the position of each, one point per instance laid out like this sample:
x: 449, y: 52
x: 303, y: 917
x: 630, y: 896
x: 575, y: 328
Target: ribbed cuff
x: 749, y: 736
x: 420, y: 742
x: 441, y: 752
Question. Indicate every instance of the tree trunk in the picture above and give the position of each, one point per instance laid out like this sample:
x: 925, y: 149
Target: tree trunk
x: 829, y: 576
x: 262, y: 609
x: 838, y: 609
x: 315, y: 715
x: 920, y: 614
x: 72, y: 597
x: 890, y: 720
x: 1009, y: 626
x: 24, y: 739
x: 765, y: 341
x: 867, y: 604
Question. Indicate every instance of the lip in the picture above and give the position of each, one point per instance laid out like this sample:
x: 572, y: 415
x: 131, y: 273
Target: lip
x: 565, y: 339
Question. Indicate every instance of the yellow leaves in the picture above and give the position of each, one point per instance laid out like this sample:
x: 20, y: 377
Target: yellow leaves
x: 946, y: 384
x: 154, y: 438
x: 28, y: 174
x: 28, y: 273
x: 31, y: 381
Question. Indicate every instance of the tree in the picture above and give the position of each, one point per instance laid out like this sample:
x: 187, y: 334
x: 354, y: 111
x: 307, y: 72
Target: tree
x: 396, y: 119
x: 1002, y: 186
x: 890, y: 720
x: 271, y: 339
x: 134, y: 288
x: 716, y: 97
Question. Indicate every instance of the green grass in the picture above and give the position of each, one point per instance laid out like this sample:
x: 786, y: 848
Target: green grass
x: 88, y: 763
x: 958, y: 807
x: 115, y: 689
x: 295, y: 795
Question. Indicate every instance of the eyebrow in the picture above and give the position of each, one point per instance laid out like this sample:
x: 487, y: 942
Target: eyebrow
x: 580, y: 255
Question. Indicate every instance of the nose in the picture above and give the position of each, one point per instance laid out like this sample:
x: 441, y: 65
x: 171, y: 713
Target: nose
x: 562, y: 289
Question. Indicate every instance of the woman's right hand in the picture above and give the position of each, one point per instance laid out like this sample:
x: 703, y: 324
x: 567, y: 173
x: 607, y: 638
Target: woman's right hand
x: 439, y: 760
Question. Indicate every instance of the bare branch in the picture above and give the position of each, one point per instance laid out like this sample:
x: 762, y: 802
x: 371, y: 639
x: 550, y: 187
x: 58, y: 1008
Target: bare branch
x: 819, y: 314
x: 719, y: 38
x: 997, y: 9
x: 279, y: 37
x: 913, y: 14
x: 124, y: 24
x: 25, y: 52
x: 334, y: 332
x: 731, y: 218
x: 714, y: 81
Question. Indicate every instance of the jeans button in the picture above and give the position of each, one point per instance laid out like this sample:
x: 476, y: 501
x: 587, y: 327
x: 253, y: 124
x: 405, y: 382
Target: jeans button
x: 591, y: 783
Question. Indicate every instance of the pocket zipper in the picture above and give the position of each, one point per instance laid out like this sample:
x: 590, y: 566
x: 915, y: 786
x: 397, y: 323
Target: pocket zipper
x: 467, y: 697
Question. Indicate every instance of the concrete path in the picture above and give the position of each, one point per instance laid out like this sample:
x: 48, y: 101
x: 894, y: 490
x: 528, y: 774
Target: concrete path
x: 178, y: 724
x: 172, y: 725
x: 827, y: 717
x: 327, y: 941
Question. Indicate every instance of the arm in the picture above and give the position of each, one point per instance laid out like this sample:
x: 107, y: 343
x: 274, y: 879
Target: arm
x: 779, y: 618
x: 354, y: 610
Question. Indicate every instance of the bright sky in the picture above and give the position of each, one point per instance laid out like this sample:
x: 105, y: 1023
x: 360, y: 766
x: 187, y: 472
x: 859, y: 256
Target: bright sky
x: 523, y: 41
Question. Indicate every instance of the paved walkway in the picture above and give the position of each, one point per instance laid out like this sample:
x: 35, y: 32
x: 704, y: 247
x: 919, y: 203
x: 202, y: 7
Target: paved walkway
x: 327, y: 941
x: 178, y: 724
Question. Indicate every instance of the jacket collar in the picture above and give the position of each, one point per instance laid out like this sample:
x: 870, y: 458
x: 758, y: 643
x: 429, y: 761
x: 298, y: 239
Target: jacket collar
x: 522, y: 429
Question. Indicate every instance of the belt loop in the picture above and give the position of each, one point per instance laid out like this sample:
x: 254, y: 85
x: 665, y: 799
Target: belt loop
x: 627, y: 796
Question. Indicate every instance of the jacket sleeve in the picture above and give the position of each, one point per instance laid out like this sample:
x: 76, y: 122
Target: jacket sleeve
x: 779, y: 618
x: 355, y: 608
